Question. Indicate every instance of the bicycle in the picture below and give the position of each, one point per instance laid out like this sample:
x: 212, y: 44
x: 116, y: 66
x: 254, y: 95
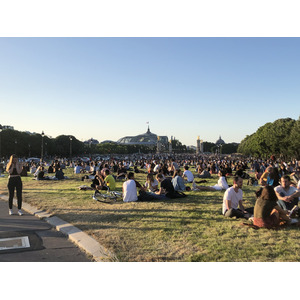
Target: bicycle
x: 108, y: 197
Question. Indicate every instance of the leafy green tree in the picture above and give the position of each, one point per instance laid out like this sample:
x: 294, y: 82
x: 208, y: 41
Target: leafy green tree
x: 294, y: 139
x: 271, y: 138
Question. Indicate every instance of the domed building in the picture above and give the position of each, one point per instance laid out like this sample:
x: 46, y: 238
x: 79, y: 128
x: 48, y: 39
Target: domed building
x: 147, y: 139
x: 220, y: 142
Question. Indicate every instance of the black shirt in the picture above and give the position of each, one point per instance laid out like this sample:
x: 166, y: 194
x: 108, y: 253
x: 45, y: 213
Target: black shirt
x: 168, y: 186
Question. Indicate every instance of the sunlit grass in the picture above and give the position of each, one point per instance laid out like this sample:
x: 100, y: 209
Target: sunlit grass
x: 188, y: 229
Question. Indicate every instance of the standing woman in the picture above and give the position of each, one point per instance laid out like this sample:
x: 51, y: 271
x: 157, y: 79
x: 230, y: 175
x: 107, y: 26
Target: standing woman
x: 14, y: 169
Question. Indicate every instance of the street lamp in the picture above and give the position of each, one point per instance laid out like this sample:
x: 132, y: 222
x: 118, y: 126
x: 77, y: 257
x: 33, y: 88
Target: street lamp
x: 28, y: 150
x: 16, y: 142
x: 70, y: 146
x: 42, y: 153
x: 0, y: 140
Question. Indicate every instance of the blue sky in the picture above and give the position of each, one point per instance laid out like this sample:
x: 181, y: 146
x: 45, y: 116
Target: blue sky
x: 107, y: 88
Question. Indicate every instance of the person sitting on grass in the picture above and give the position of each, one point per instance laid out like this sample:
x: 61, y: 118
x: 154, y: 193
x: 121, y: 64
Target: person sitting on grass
x: 264, y: 177
x: 233, y: 201
x: 98, y: 183
x: 288, y: 196
x: 204, y: 174
x: 178, y: 182
x: 188, y: 174
x: 267, y: 212
x: 151, y: 184
x: 130, y: 190
x: 221, y: 185
x: 109, y: 180
x: 59, y: 174
x: 166, y: 187
x: 41, y: 174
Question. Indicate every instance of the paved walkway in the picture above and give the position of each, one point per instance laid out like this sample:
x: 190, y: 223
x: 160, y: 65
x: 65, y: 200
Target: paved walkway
x: 57, y: 247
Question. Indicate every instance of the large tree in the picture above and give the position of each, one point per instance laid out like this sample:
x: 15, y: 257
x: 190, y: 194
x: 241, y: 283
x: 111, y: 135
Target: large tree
x: 272, y: 138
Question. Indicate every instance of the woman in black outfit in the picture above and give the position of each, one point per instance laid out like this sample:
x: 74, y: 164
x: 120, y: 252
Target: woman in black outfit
x: 14, y: 169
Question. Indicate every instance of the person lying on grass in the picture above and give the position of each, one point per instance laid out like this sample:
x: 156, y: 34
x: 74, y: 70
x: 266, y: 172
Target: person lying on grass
x: 233, y: 201
x: 221, y: 185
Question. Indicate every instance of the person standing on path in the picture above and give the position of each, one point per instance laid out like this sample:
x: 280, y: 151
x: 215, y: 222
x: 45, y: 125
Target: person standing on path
x: 14, y: 169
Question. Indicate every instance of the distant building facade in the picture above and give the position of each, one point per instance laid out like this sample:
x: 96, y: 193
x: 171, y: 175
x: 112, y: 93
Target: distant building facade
x: 148, y: 139
x: 91, y: 141
x: 220, y: 142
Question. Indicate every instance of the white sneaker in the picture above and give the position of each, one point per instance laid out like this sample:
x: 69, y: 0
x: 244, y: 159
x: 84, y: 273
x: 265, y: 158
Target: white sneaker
x: 10, y: 212
x: 20, y: 212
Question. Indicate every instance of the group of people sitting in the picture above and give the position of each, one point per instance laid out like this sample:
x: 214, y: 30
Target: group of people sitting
x: 39, y: 172
x: 274, y: 206
x: 276, y: 203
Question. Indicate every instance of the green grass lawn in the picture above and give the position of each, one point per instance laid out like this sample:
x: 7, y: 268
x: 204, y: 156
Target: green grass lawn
x: 188, y: 229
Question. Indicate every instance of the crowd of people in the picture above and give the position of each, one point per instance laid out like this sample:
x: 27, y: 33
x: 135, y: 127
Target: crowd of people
x: 277, y: 181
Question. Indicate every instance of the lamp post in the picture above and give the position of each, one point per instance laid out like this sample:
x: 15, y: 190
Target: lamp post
x: 70, y: 146
x: 42, y: 152
x: 0, y: 140
x: 29, y: 150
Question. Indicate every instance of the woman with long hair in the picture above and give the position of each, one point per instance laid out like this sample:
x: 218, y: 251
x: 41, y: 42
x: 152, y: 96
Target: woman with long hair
x: 267, y: 212
x: 151, y: 184
x: 14, y: 169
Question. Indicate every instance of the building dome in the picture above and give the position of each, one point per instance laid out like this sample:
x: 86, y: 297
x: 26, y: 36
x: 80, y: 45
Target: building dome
x: 148, y: 138
x: 220, y: 141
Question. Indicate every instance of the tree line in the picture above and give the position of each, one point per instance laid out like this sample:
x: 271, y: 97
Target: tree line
x: 280, y: 138
x: 25, y: 144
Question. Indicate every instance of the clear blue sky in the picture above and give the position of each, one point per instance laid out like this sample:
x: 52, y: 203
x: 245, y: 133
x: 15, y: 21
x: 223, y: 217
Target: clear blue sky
x: 107, y: 88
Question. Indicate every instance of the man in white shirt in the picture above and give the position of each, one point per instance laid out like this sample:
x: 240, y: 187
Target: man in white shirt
x: 188, y: 174
x: 233, y: 201
x: 129, y: 189
x: 288, y: 196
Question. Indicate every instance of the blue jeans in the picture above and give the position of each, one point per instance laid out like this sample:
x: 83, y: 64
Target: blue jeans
x: 288, y: 205
x: 158, y: 197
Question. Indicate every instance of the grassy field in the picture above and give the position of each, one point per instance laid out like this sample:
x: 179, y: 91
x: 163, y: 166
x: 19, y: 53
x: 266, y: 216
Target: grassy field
x: 188, y: 229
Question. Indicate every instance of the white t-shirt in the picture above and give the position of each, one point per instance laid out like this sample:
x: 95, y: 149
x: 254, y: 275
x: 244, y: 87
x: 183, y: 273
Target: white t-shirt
x: 129, y: 191
x: 298, y: 185
x: 283, y: 193
x: 234, y: 197
x: 153, y: 184
x: 189, y: 175
x: 221, y: 185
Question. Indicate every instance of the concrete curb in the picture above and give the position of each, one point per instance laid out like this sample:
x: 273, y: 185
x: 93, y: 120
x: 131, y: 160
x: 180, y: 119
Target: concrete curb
x: 78, y: 237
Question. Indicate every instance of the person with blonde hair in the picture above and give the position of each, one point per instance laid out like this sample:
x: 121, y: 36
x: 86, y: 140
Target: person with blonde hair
x: 14, y: 169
